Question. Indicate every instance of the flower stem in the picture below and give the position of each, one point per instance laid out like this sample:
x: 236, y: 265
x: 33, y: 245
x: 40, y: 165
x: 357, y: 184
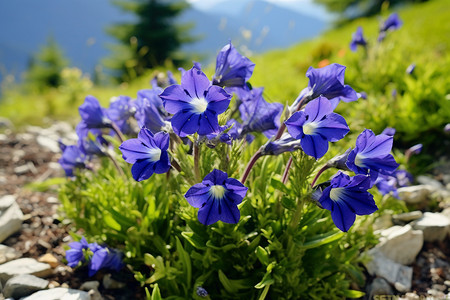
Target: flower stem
x: 286, y: 171
x: 118, y: 132
x: 323, y: 169
x: 114, y: 161
x: 196, y: 153
x: 250, y: 164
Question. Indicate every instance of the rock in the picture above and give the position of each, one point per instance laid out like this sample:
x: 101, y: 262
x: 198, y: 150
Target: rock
x: 415, y: 194
x: 426, y: 180
x: 401, y: 244
x: 10, y: 218
x: 23, y: 169
x: 408, y: 217
x: 90, y: 285
x: 24, y: 266
x: 6, y: 202
x: 110, y: 283
x: 49, y: 259
x: 411, y: 296
x: 435, y: 226
x: 382, y: 222
x: 379, y: 286
x: 59, y: 294
x: 8, y: 253
x: 48, y: 143
x: 23, y: 285
x: 398, y: 275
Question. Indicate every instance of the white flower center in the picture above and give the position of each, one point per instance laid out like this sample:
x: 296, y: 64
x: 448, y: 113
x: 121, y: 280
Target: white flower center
x: 335, y: 193
x: 155, y: 154
x: 199, y: 105
x: 309, y: 128
x: 217, y: 191
x: 359, y: 160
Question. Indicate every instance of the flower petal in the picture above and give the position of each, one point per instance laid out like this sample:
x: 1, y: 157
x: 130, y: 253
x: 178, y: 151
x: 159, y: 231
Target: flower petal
x: 314, y: 145
x: 185, y: 123
x: 143, y: 169
x: 195, y: 83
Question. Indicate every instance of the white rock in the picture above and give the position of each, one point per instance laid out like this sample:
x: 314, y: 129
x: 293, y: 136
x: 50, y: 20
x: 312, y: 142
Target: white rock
x: 48, y: 143
x: 10, y: 221
x: 422, y: 179
x: 23, y: 285
x: 401, y: 244
x: 24, y: 266
x: 6, y: 202
x: 415, y: 194
x: 409, y: 216
x: 59, y: 294
x: 8, y: 253
x: 435, y: 226
x: 398, y: 275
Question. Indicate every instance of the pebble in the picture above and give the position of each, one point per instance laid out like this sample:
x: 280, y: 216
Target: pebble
x: 24, y: 266
x: 59, y: 293
x: 435, y: 226
x: 10, y: 218
x: 23, y: 285
x: 8, y: 253
x: 49, y: 259
x: 408, y: 217
x: 426, y: 180
x: 415, y: 194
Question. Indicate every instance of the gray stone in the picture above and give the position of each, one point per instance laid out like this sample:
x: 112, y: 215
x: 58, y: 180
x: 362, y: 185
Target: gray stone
x: 415, y: 194
x: 6, y: 202
x: 10, y: 221
x: 8, y: 253
x: 435, y: 226
x: 396, y: 274
x: 23, y: 285
x: 379, y: 286
x: 110, y: 283
x: 48, y: 143
x: 90, y: 285
x: 401, y: 244
x: 422, y: 179
x: 382, y: 222
x: 409, y: 216
x: 59, y: 294
x: 24, y: 266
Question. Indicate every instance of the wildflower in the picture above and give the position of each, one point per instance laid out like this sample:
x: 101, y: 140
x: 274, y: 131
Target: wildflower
x: 410, y: 69
x: 258, y: 115
x: 316, y: 126
x: 150, y: 112
x: 389, y: 183
x: 358, y: 39
x: 217, y: 196
x: 93, y: 114
x: 393, y: 22
x: 329, y: 83
x: 73, y: 157
x: 285, y: 144
x: 201, y: 292
x: 416, y: 149
x: 119, y: 111
x: 232, y: 69
x: 447, y: 128
x: 347, y: 197
x: 389, y: 131
x: 195, y: 104
x: 76, y: 252
x: 103, y: 258
x: 147, y: 153
x: 90, y: 141
x: 372, y: 153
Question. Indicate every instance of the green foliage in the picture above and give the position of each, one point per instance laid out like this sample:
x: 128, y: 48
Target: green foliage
x: 152, y: 41
x: 45, y: 66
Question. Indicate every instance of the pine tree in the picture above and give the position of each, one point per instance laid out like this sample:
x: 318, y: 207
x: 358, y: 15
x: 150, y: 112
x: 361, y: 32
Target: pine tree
x: 151, y: 41
x: 45, y: 67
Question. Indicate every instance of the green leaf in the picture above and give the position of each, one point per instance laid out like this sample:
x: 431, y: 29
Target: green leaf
x: 353, y: 294
x: 262, y: 255
x: 111, y: 222
x: 194, y: 239
x: 279, y: 186
x: 265, y: 281
x: 322, y: 239
x: 156, y: 294
x: 288, y: 203
x: 186, y: 261
x: 226, y: 283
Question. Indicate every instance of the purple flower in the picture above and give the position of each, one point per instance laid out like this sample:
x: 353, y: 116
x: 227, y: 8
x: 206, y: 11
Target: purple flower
x: 372, y: 153
x: 258, y: 115
x: 232, y: 69
x: 389, y: 131
x: 447, y: 128
x: 150, y: 112
x: 195, y: 104
x: 416, y: 149
x: 90, y: 141
x: 104, y: 258
x: 72, y: 157
x: 389, y: 183
x: 329, y: 83
x: 347, y: 197
x: 76, y: 254
x: 316, y: 126
x: 217, y: 197
x: 147, y: 153
x: 201, y: 292
x: 285, y: 144
x: 158, y: 82
x: 410, y: 69
x: 93, y: 114
x: 120, y: 110
x: 358, y: 39
x: 393, y: 22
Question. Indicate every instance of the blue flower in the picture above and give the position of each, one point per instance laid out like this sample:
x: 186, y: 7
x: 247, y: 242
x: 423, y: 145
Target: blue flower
x: 284, y: 144
x: 389, y: 183
x: 195, y: 104
x: 390, y: 131
x: 90, y: 141
x: 217, y: 197
x: 232, y: 69
x: 147, y: 153
x: 104, y: 258
x: 258, y: 115
x: 150, y: 112
x: 347, y: 197
x: 72, y: 157
x: 76, y: 252
x: 93, y: 114
x: 119, y: 111
x: 201, y: 292
x: 372, y: 153
x: 416, y: 149
x: 410, y: 69
x: 329, y: 83
x: 393, y: 22
x: 316, y: 126
x: 358, y: 39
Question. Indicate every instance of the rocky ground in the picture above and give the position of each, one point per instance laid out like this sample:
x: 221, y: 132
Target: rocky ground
x: 412, y: 259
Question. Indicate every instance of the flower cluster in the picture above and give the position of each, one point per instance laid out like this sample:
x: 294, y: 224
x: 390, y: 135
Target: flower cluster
x: 98, y: 257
